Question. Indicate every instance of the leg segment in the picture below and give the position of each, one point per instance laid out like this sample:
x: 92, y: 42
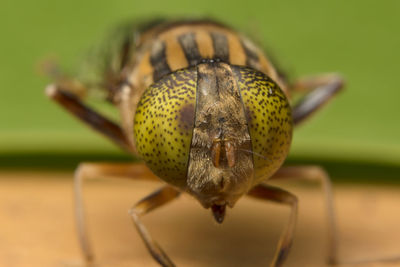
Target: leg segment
x: 267, y: 192
x: 323, y: 89
x: 95, y: 120
x: 315, y: 173
x: 96, y: 170
x: 147, y: 204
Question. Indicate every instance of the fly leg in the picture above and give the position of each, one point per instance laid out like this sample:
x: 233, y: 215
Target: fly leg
x: 266, y: 192
x: 71, y: 102
x: 322, y: 88
x: 97, y: 170
x: 147, y: 204
x: 315, y: 173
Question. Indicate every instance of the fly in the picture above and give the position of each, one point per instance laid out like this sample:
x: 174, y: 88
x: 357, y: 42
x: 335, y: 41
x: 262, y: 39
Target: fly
x: 208, y: 113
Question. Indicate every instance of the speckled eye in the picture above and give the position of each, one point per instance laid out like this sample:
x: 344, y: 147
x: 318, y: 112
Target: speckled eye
x: 269, y: 119
x: 163, y: 125
x: 165, y: 118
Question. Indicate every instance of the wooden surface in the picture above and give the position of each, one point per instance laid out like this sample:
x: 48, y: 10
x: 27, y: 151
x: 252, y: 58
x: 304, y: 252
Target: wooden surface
x: 37, y: 225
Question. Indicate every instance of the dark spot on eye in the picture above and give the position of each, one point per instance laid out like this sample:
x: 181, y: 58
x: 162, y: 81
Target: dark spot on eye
x: 186, y: 117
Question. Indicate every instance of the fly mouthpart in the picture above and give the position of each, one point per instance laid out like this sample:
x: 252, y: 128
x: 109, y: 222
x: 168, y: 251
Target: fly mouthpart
x: 218, y: 212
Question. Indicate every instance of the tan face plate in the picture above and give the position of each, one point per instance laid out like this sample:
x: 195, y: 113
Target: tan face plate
x: 220, y: 165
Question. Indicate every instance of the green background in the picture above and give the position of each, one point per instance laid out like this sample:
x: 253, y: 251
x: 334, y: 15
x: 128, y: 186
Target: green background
x: 356, y: 135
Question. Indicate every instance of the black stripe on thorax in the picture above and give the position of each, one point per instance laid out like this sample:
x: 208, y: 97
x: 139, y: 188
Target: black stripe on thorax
x: 221, y: 46
x: 252, y: 59
x: 158, y: 60
x: 190, y: 48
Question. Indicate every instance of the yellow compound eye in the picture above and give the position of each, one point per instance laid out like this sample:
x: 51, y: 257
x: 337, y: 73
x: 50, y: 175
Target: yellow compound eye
x: 269, y: 119
x: 163, y: 126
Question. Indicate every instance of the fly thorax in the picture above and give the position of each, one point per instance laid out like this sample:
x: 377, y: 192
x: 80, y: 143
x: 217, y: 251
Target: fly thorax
x: 220, y: 167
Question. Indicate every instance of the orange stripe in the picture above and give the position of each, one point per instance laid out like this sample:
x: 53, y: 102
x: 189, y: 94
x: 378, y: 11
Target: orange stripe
x: 204, y: 43
x: 237, y: 55
x: 144, y: 74
x: 175, y: 56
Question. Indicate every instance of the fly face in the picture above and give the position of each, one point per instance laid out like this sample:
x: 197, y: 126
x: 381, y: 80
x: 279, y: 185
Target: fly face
x: 214, y: 131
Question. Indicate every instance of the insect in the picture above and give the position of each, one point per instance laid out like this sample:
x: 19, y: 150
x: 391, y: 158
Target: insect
x: 208, y: 113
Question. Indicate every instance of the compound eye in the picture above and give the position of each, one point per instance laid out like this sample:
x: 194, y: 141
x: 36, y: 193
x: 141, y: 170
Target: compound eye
x: 269, y: 119
x: 163, y: 125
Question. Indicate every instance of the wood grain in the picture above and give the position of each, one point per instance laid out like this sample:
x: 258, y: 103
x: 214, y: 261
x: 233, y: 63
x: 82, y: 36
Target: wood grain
x: 37, y: 225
